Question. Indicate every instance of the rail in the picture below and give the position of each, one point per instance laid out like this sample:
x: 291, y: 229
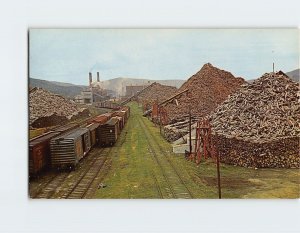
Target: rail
x: 175, y: 182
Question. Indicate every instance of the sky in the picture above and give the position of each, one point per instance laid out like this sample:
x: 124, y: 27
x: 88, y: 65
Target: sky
x: 68, y: 55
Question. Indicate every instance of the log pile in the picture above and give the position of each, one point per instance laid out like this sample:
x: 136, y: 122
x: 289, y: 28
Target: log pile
x: 156, y: 92
x: 176, y: 130
x: 258, y: 126
x: 280, y: 153
x: 47, y: 109
x: 207, y: 89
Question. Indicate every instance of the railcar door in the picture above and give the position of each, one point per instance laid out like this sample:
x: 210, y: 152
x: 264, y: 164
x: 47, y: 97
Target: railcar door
x: 79, y: 150
x: 86, y: 142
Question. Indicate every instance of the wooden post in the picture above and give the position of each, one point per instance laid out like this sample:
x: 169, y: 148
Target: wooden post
x: 273, y: 67
x: 159, y: 112
x: 218, y: 173
x: 190, y: 129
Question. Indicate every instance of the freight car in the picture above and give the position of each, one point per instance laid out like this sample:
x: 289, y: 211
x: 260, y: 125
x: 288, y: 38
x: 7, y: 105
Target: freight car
x: 64, y: 146
x: 122, y: 118
x: 68, y: 149
x: 93, y: 133
x: 127, y: 111
x: 108, y: 132
x: 39, y: 153
x: 120, y: 124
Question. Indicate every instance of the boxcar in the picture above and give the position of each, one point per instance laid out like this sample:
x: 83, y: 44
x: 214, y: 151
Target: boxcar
x: 121, y: 123
x: 108, y: 132
x: 122, y: 115
x: 93, y: 132
x: 39, y: 152
x: 126, y: 117
x: 127, y: 111
x: 69, y: 148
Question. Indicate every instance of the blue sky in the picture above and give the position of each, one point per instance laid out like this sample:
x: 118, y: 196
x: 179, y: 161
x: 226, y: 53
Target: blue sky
x: 67, y: 55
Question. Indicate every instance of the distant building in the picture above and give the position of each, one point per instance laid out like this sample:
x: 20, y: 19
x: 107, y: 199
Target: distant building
x: 132, y: 90
x: 94, y: 93
x: 86, y: 97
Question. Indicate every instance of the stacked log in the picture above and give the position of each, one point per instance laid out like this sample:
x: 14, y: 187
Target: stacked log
x: 258, y: 126
x: 280, y: 153
x: 176, y: 130
x: 48, y: 109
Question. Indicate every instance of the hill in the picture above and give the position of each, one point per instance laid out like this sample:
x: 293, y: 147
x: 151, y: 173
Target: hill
x: 294, y: 75
x: 118, y: 85
x: 67, y: 90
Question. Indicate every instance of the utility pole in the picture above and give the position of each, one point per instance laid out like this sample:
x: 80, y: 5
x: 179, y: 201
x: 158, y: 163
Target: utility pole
x: 273, y: 67
x: 218, y: 173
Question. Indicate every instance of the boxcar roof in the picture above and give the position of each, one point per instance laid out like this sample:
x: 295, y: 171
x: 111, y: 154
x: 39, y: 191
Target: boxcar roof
x: 113, y: 121
x: 77, y: 132
x: 125, y: 108
x: 74, y: 133
x: 93, y: 126
x: 119, y: 113
x: 43, y: 138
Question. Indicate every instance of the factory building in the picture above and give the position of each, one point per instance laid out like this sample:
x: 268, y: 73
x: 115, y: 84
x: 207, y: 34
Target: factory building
x: 94, y: 93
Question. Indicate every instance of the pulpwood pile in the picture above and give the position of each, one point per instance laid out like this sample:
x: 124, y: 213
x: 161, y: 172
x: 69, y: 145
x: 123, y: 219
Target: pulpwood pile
x: 207, y: 89
x: 156, y: 92
x: 259, y: 125
x: 179, y: 129
x: 47, y: 109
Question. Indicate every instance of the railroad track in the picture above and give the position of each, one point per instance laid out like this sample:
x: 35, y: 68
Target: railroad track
x: 86, y: 179
x: 176, y: 186
x: 157, y: 185
x: 51, y: 186
x: 172, y: 165
x: 35, y: 192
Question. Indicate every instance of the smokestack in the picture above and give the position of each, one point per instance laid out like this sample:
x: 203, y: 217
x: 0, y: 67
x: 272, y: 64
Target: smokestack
x: 90, y: 79
x: 98, y: 77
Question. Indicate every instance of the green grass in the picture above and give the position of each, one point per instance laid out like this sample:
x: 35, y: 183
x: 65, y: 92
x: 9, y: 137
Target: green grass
x: 131, y: 173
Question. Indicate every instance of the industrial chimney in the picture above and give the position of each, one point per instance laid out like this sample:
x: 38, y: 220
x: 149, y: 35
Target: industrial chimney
x: 98, y: 77
x: 90, y: 79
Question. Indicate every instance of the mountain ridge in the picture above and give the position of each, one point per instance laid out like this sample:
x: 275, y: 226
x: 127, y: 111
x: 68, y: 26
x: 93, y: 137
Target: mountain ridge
x: 294, y: 75
x: 117, y: 85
